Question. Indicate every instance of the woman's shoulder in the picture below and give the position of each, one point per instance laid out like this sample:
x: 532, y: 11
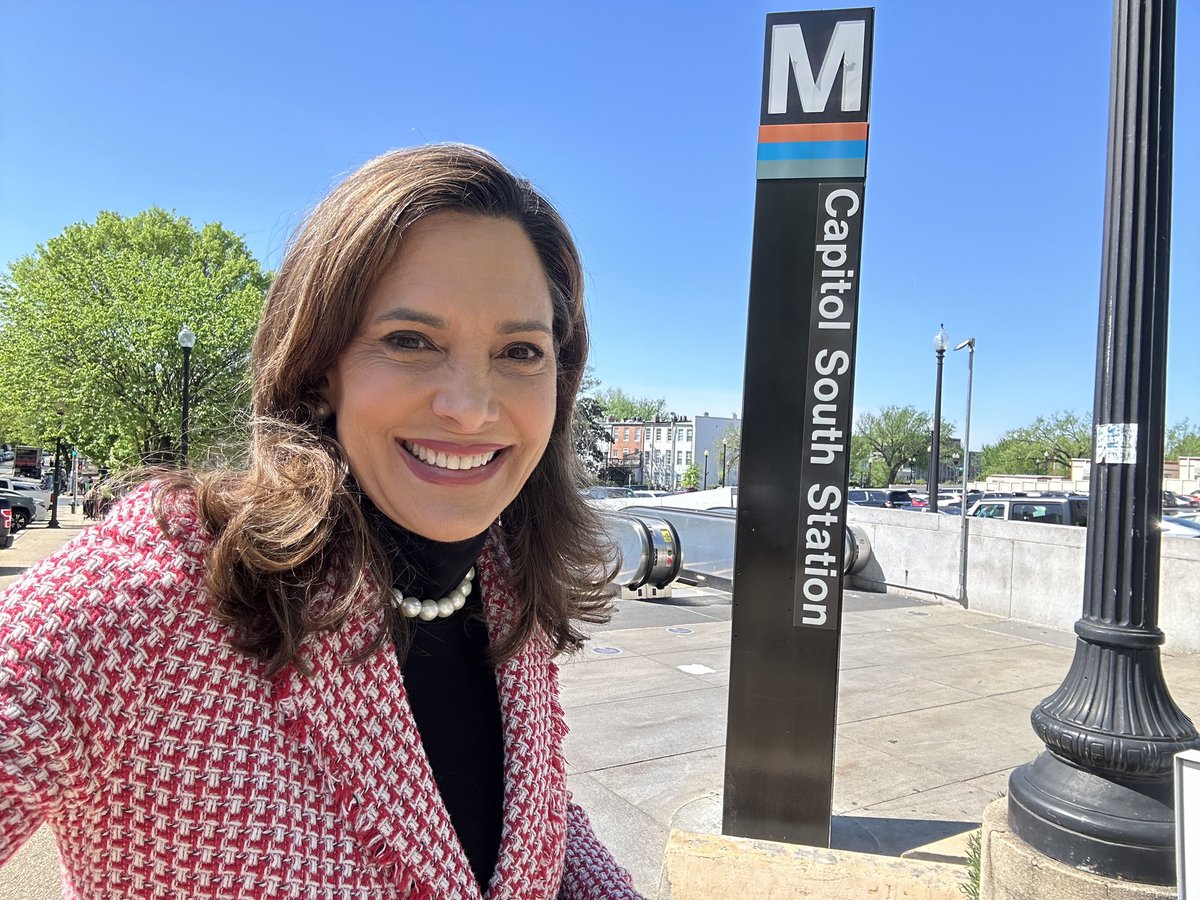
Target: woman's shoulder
x: 140, y: 568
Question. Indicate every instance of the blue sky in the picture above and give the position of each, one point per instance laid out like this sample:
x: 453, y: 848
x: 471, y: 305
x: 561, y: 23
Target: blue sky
x: 985, y: 185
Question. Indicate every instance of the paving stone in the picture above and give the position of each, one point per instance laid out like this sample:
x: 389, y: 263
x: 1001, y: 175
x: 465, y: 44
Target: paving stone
x: 870, y: 692
x: 627, y: 731
x: 622, y: 678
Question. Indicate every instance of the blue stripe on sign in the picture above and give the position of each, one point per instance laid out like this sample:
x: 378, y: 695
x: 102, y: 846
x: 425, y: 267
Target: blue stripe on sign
x: 813, y: 150
x: 810, y: 168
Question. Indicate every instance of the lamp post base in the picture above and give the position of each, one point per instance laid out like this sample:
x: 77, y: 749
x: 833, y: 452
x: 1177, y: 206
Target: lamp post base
x: 1106, y: 826
x: 1012, y: 870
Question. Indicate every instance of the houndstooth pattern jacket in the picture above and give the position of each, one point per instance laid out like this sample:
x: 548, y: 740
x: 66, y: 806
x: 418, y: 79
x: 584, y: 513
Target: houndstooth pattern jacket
x: 170, y: 766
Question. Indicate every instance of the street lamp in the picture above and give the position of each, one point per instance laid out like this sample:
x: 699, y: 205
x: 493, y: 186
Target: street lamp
x: 705, y: 470
x: 724, y: 445
x: 53, y: 523
x: 940, y: 342
x: 969, y: 346
x: 187, y: 340
x: 1101, y: 796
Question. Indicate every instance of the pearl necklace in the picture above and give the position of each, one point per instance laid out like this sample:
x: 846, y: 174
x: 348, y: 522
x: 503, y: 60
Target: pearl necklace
x: 428, y: 610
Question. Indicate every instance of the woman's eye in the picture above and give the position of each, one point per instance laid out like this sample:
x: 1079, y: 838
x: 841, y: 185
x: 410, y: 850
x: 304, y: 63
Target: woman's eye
x: 524, y: 352
x: 406, y: 340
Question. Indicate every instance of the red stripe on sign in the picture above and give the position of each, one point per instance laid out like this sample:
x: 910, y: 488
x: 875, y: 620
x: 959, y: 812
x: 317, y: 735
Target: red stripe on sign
x: 819, y: 131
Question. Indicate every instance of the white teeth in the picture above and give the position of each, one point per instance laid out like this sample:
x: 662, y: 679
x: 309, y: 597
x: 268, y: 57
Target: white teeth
x: 449, y: 460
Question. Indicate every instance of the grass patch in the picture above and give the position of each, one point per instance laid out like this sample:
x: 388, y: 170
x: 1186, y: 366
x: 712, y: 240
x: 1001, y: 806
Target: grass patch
x: 970, y: 887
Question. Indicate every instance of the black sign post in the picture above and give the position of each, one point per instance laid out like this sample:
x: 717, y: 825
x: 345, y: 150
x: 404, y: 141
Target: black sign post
x: 799, y: 385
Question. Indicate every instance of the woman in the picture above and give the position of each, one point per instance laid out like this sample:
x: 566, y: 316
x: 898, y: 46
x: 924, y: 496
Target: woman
x: 330, y: 674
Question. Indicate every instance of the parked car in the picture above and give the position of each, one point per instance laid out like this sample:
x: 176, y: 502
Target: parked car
x: 20, y: 485
x: 25, y: 509
x: 601, y: 492
x: 649, y: 493
x: 898, y: 500
x: 1174, y: 526
x: 1171, y: 500
x: 6, y: 538
x: 1067, y: 510
x: 866, y: 497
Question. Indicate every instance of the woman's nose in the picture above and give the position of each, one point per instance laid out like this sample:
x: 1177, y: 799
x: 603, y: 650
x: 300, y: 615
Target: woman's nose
x: 467, y: 398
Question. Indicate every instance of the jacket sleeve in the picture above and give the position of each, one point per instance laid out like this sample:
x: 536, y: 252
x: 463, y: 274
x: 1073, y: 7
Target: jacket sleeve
x: 40, y: 752
x: 590, y: 872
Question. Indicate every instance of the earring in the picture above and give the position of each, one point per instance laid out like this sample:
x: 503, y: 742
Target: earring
x: 321, y: 411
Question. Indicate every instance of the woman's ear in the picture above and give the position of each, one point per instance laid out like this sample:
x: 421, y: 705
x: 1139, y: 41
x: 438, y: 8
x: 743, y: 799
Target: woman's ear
x: 322, y: 408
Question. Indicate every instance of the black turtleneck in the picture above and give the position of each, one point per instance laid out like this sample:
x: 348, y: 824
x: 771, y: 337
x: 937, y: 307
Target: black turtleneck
x: 451, y: 687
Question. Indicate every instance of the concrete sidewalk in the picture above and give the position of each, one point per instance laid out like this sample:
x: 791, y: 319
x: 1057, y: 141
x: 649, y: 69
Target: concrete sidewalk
x: 39, y: 540
x: 933, y: 714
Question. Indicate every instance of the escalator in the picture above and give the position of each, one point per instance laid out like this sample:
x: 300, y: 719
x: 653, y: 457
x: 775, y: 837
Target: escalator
x: 660, y: 544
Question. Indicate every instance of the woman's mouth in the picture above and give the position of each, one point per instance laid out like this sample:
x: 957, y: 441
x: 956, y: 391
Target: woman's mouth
x: 451, y: 461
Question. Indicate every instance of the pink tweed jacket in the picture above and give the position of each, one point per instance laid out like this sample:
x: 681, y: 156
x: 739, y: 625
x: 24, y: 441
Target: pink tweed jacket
x: 170, y: 766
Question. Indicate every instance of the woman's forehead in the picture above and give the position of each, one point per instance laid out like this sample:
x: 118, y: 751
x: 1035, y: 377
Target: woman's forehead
x: 453, y: 265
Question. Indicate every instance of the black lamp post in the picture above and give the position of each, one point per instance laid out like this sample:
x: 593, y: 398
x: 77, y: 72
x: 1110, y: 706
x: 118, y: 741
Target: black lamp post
x: 1100, y: 796
x: 53, y: 523
x: 187, y: 340
x: 706, y: 470
x: 723, y: 447
x: 940, y: 342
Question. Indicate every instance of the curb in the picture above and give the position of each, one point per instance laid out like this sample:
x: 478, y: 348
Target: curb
x: 704, y: 866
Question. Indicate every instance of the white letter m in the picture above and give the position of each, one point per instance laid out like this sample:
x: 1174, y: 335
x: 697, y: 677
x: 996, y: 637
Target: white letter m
x: 789, y: 54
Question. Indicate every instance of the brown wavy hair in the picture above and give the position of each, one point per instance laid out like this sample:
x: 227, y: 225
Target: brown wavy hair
x: 288, y: 521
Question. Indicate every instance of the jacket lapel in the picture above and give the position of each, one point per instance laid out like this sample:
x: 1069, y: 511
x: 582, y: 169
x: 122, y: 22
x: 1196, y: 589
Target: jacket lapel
x: 356, y: 722
x: 533, y: 840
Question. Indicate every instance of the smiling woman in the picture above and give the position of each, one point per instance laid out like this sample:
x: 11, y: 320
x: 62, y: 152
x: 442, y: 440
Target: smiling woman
x: 331, y: 673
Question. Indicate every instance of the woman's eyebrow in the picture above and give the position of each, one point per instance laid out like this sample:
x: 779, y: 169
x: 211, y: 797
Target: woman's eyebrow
x: 526, y: 325
x: 404, y: 314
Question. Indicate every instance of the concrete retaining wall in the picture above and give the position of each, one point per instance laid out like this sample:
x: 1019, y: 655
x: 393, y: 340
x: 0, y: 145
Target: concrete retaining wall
x: 1015, y: 569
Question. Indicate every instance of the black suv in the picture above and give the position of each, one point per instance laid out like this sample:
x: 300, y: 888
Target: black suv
x: 879, y: 497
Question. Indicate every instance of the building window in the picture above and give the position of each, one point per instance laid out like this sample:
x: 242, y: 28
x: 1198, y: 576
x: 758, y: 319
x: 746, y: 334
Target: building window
x: 637, y: 434
x: 687, y: 435
x: 658, y: 434
x: 688, y: 460
x: 679, y: 457
x: 626, y: 434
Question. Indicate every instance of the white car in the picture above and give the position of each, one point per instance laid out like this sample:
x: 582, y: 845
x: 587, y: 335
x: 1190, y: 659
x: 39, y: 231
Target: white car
x: 1175, y: 526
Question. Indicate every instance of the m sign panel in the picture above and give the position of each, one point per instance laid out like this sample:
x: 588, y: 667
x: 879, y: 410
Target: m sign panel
x: 800, y: 360
x: 816, y: 92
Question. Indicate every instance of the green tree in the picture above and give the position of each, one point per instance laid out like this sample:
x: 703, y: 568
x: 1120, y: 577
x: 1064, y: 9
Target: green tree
x: 891, y: 438
x: 1044, y: 447
x: 1182, y: 439
x: 690, y: 477
x: 731, y: 440
x: 622, y: 407
x: 89, y: 322
x: 588, y: 435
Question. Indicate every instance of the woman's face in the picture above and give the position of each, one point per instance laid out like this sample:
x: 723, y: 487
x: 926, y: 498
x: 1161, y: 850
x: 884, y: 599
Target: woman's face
x: 445, y: 397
